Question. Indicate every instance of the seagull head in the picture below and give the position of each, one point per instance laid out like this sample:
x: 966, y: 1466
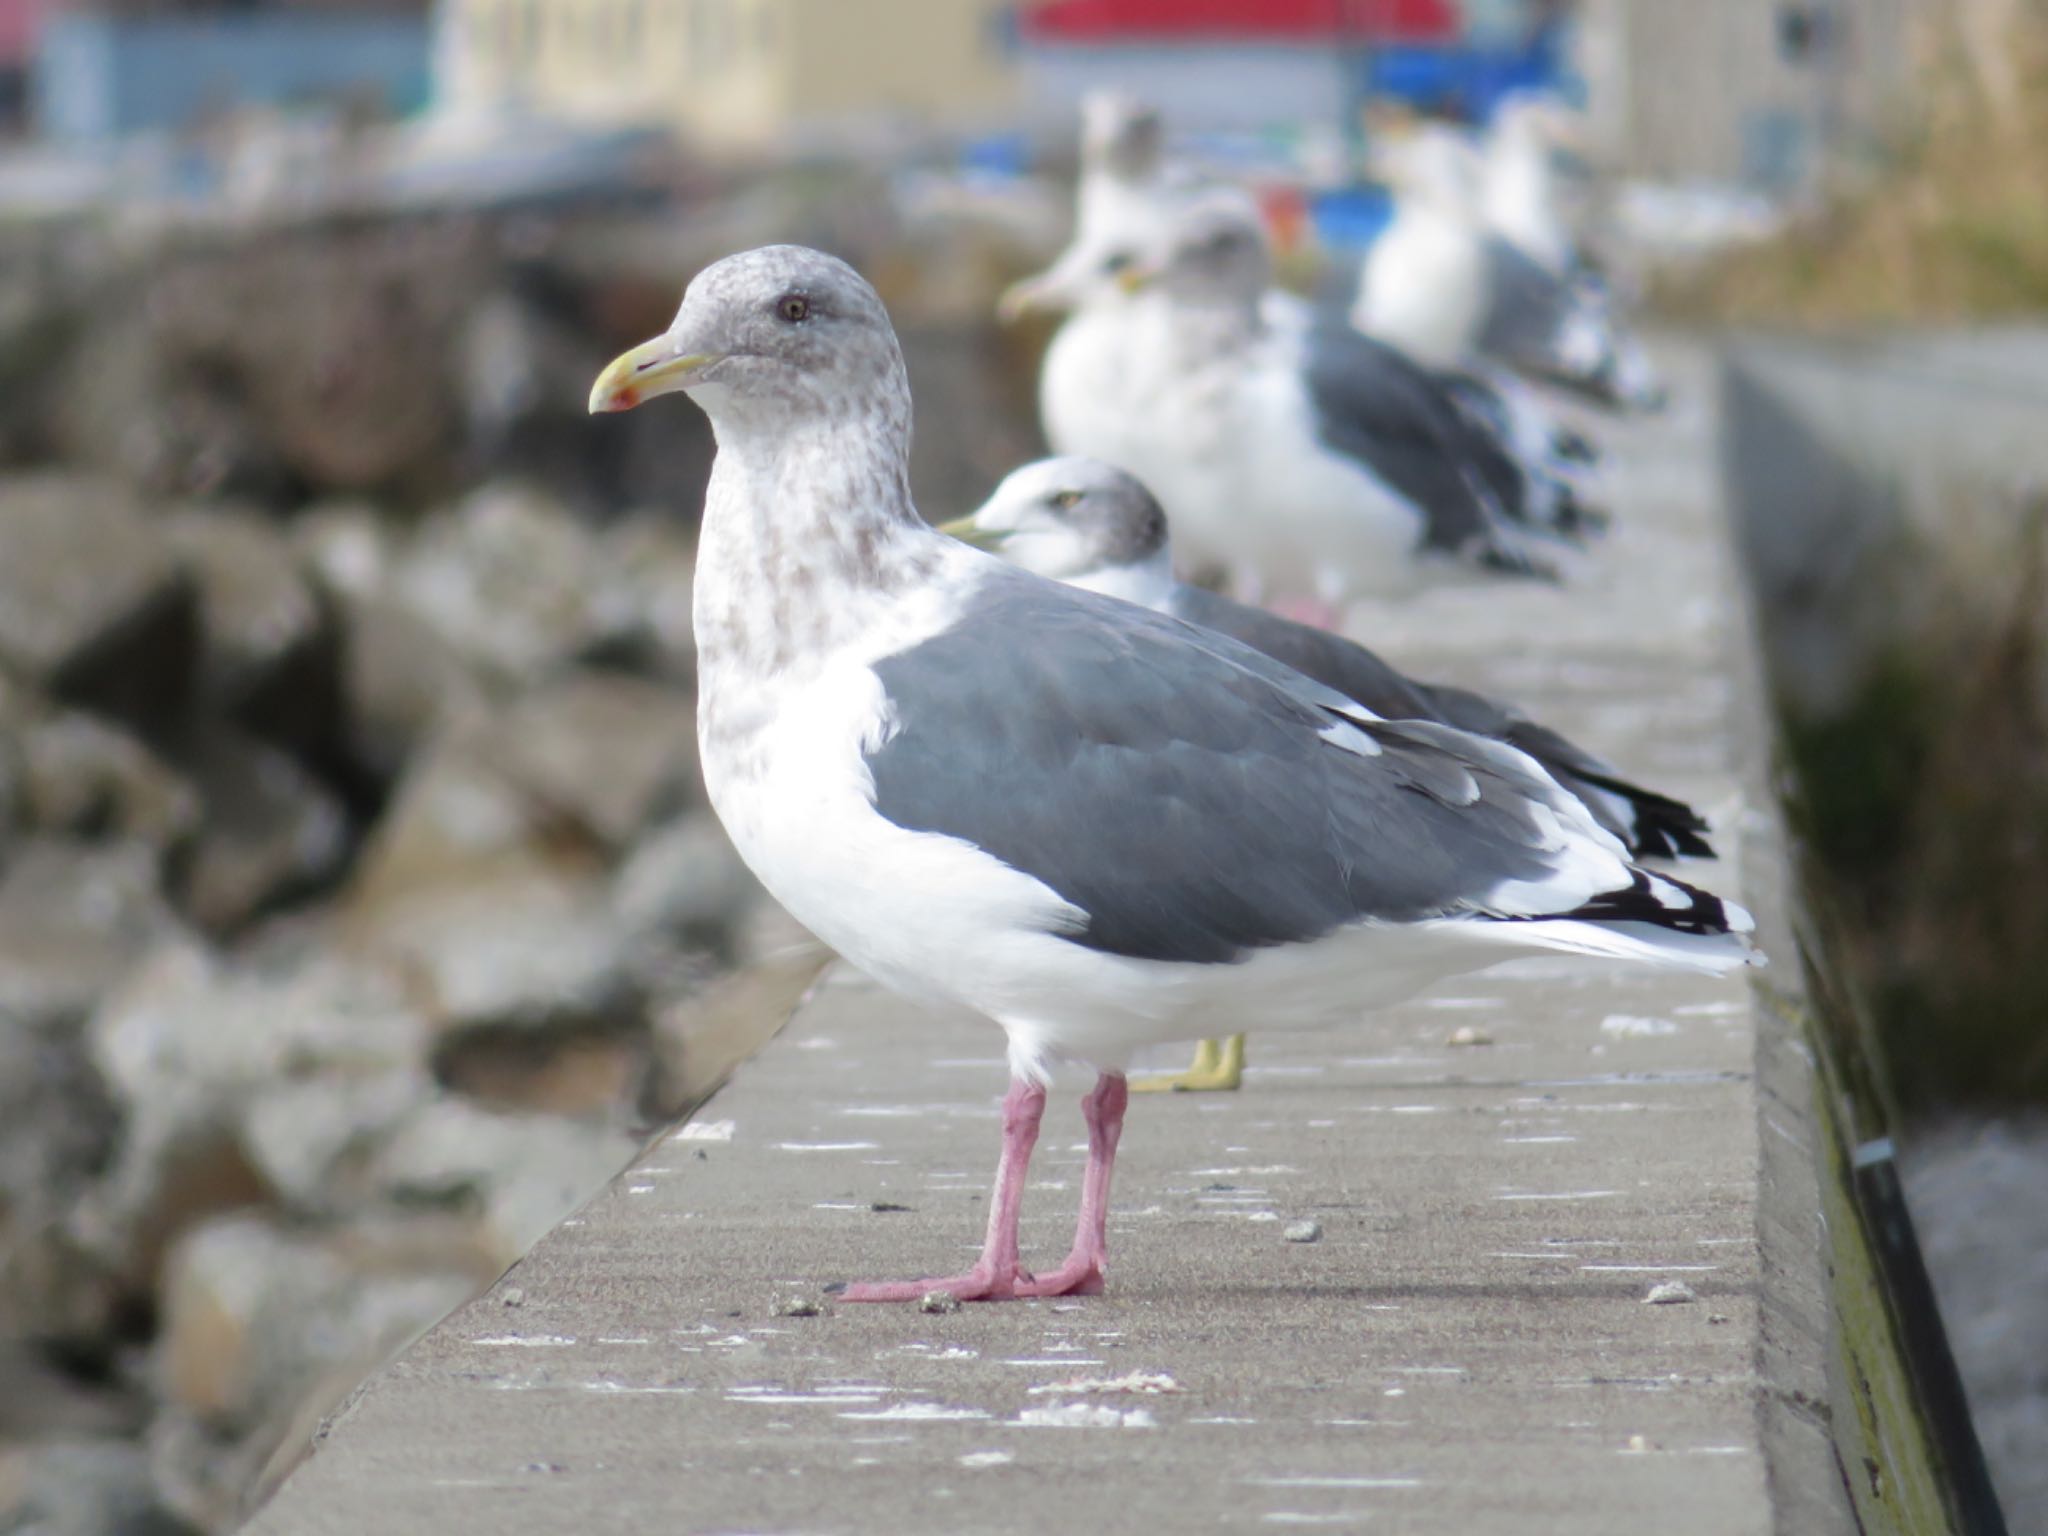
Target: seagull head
x: 1069, y: 519
x: 783, y: 332
x: 1212, y: 251
x: 1121, y: 137
x: 1429, y: 164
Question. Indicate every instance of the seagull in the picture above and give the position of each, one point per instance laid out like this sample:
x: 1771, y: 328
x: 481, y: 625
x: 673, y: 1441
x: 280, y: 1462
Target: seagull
x: 1095, y: 826
x: 1444, y: 288
x: 1525, y: 197
x: 1311, y: 463
x: 1128, y: 195
x: 1092, y: 526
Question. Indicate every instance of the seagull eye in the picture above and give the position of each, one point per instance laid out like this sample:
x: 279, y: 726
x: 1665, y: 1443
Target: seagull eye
x: 793, y: 307
x: 1066, y: 501
x: 1117, y: 262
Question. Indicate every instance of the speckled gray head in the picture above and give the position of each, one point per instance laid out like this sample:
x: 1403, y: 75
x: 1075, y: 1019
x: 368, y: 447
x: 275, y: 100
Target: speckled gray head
x: 1212, y: 250
x: 1068, y: 518
x: 771, y: 338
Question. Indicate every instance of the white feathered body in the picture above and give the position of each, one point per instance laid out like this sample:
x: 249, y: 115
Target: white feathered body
x: 784, y: 734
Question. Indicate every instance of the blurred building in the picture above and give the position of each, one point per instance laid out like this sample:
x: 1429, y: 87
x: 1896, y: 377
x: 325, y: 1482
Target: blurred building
x: 1227, y: 64
x: 1756, y: 92
x: 104, y: 74
x: 735, y: 73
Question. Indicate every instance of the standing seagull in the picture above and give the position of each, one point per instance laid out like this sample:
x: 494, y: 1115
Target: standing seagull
x: 1446, y: 289
x: 1092, y: 526
x: 1096, y: 826
x: 1317, y: 462
x: 1125, y: 201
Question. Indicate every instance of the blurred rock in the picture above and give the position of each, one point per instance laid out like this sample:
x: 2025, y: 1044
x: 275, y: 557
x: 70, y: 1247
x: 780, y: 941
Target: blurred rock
x: 609, y: 754
x: 85, y: 777
x: 347, y: 546
x: 517, y: 1174
x: 83, y: 1488
x: 210, y: 372
x: 257, y: 1314
x: 258, y: 616
x: 536, y: 956
x: 187, y: 1048
x: 646, y: 569
x: 73, y: 918
x: 271, y: 832
x: 402, y: 681
x: 508, y: 576
x: 94, y: 610
x: 685, y: 879
x: 43, y: 1396
x: 589, y: 1073
x: 310, y: 1139
x: 57, y: 1136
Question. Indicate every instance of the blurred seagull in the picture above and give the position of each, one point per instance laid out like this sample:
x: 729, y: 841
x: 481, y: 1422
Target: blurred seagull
x: 1096, y: 826
x: 1093, y: 526
x: 1126, y: 200
x: 1305, y: 461
x: 1444, y: 288
x: 1526, y: 195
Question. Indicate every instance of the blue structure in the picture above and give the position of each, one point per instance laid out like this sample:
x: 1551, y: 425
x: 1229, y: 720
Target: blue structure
x: 1472, y: 79
x: 102, y: 77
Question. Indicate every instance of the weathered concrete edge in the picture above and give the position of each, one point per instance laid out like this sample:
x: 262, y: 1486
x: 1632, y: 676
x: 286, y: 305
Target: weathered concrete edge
x: 1846, y: 1447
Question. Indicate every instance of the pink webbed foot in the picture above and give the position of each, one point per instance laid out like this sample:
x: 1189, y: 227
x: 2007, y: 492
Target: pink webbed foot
x: 999, y: 1276
x: 978, y: 1284
x: 1070, y: 1279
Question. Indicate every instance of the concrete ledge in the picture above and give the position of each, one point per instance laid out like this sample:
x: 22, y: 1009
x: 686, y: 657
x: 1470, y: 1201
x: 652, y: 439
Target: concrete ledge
x: 1468, y: 1348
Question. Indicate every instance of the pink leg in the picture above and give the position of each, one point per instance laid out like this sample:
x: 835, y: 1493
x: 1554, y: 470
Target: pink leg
x: 1086, y: 1266
x: 997, y: 1272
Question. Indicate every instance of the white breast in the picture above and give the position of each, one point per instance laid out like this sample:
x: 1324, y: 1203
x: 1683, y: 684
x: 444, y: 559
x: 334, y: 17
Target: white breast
x: 1423, y: 288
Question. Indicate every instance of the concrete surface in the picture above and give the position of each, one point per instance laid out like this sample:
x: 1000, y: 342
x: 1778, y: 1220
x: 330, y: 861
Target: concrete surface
x: 1468, y: 1348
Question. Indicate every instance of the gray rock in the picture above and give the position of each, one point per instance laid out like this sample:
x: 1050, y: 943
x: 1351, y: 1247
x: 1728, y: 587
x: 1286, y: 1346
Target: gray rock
x: 608, y: 753
x: 190, y: 1050
x: 646, y: 565
x: 93, y: 607
x: 507, y: 576
x: 58, y: 1128
x: 310, y: 1138
x: 255, y: 1314
x: 402, y: 681
x: 85, y: 777
x: 258, y: 615
x: 83, y: 1488
x: 73, y: 919
x: 685, y: 878
x: 272, y: 831
x: 528, y: 956
x: 518, y: 1174
x: 347, y: 546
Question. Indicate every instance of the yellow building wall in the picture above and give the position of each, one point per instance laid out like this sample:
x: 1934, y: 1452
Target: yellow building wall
x: 736, y: 73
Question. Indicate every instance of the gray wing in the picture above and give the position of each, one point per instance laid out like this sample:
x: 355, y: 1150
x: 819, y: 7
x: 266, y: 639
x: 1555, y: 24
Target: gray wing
x: 1373, y: 404
x: 1197, y: 802
x: 1548, y: 327
x: 1652, y: 825
x: 1335, y: 662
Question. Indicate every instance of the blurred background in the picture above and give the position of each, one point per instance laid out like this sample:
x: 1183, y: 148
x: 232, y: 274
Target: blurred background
x: 359, y: 908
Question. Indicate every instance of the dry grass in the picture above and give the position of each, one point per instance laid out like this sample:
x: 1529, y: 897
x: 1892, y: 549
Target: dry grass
x: 1948, y: 222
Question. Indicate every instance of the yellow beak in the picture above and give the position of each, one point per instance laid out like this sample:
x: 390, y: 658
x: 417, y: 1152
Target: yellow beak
x: 967, y: 531
x: 650, y: 369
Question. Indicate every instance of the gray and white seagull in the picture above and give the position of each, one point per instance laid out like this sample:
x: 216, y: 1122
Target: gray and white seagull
x: 1093, y: 526
x: 1093, y: 825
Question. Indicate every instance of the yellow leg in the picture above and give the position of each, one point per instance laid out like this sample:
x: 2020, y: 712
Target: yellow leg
x: 1218, y: 1067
